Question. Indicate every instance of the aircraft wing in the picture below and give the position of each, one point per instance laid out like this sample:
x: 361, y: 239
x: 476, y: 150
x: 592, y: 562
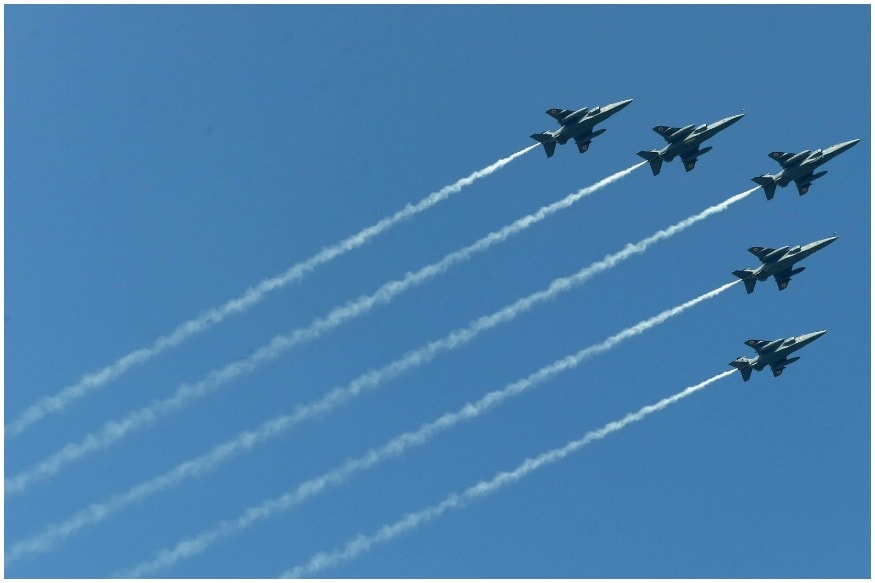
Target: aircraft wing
x: 761, y: 252
x: 665, y: 131
x: 779, y: 366
x: 558, y: 114
x: 803, y: 183
x: 757, y: 344
x: 689, y: 159
x: 781, y: 157
x: 584, y: 139
x: 782, y: 278
x: 582, y: 142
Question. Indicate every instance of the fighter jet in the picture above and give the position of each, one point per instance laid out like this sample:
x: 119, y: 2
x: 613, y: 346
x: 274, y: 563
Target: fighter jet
x: 577, y: 125
x: 684, y: 142
x: 773, y: 353
x: 779, y: 263
x: 799, y: 168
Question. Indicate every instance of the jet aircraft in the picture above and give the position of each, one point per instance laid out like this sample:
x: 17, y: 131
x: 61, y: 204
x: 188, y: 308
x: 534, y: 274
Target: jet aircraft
x: 773, y: 353
x: 799, y: 168
x: 685, y: 142
x: 779, y: 263
x: 577, y: 125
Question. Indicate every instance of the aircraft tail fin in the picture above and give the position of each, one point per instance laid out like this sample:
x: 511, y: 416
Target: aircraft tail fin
x: 768, y: 183
x: 547, y: 141
x: 743, y: 367
x: 747, y: 276
x: 652, y: 156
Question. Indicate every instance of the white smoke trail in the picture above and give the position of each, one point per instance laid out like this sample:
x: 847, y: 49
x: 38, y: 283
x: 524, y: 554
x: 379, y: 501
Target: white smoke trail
x: 96, y: 380
x: 116, y: 430
x: 363, y: 543
x: 398, y: 445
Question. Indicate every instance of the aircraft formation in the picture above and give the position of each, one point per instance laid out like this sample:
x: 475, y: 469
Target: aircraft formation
x: 685, y: 143
x: 580, y: 126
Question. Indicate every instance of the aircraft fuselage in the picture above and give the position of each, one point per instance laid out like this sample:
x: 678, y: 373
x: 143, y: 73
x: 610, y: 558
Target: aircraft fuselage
x: 779, y: 350
x: 787, y: 257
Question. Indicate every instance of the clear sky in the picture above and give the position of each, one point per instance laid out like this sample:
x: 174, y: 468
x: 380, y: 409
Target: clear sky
x: 161, y: 161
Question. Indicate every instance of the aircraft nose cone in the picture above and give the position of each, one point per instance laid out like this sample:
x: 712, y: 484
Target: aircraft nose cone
x: 731, y: 120
x: 839, y: 148
x: 824, y: 242
x: 814, y: 335
x: 620, y: 105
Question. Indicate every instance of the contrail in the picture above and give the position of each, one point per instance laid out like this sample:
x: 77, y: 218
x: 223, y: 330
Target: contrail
x: 395, y: 447
x: 96, y: 380
x: 363, y: 543
x: 116, y: 430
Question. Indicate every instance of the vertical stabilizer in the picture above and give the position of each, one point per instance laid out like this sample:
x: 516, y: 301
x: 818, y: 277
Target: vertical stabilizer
x: 768, y: 183
x: 747, y: 276
x: 653, y: 157
x: 548, y: 141
x: 743, y: 366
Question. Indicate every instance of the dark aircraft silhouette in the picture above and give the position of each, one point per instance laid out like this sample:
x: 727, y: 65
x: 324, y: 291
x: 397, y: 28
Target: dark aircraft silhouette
x: 773, y: 353
x: 799, y: 168
x: 577, y: 125
x: 779, y: 263
x: 685, y: 142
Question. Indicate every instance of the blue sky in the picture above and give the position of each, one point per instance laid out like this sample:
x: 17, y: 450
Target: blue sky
x: 160, y: 161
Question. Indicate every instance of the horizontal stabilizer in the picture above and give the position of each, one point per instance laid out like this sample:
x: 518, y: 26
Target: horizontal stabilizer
x: 768, y: 183
x: 747, y: 276
x: 652, y: 156
x: 548, y: 141
x: 743, y: 367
